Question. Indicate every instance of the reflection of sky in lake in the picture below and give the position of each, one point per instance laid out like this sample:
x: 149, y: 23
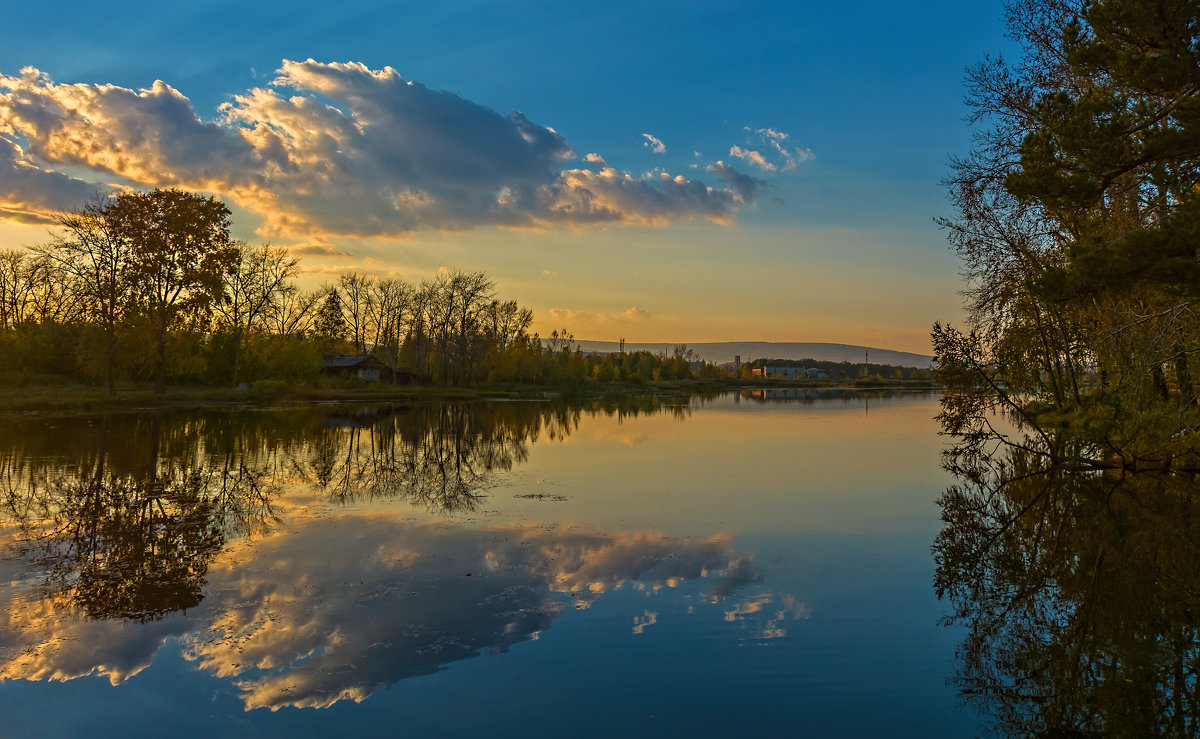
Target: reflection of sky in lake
x: 750, y: 567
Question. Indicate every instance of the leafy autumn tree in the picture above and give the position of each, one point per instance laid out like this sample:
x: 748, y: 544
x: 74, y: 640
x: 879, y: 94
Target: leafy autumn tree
x: 179, y: 249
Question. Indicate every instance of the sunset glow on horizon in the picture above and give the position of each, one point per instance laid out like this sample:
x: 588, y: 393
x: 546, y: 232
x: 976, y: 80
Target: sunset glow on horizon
x: 771, y: 183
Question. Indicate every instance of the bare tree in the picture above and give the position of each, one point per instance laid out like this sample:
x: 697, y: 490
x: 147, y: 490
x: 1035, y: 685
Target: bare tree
x: 36, y: 289
x: 390, y: 308
x: 97, y: 260
x: 258, y: 280
x: 354, y: 290
x: 470, y: 294
x: 293, y: 312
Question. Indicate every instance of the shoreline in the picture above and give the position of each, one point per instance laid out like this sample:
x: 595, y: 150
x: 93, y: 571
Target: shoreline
x: 91, y: 399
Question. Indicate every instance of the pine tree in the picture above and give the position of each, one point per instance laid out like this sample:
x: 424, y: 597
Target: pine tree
x: 329, y: 328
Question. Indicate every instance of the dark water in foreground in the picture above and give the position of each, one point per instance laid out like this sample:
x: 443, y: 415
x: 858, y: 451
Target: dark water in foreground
x: 739, y: 565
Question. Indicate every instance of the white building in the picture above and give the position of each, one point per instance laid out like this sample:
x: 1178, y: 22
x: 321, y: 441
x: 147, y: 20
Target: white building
x: 773, y: 372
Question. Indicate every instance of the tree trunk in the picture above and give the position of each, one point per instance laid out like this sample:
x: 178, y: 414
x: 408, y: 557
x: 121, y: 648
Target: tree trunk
x: 110, y: 351
x: 237, y: 355
x: 1160, y: 382
x: 160, y: 369
x: 1183, y: 374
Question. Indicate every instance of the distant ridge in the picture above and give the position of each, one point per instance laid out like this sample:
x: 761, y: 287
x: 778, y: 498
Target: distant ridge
x: 719, y: 352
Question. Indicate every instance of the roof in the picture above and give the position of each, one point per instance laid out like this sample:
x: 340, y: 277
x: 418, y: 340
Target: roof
x: 349, y: 361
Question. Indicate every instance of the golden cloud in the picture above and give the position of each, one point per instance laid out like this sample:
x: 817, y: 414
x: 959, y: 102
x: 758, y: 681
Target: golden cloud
x: 328, y: 150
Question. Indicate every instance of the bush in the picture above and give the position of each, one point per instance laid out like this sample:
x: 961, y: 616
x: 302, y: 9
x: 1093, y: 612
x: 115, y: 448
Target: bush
x: 14, y: 378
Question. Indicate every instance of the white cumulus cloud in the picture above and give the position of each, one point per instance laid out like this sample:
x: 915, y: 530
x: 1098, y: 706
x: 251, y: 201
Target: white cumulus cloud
x: 752, y: 157
x: 326, y: 149
x: 786, y: 156
x: 654, y: 144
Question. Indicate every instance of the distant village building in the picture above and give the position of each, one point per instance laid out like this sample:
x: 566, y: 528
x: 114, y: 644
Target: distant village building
x: 774, y: 372
x: 364, y: 366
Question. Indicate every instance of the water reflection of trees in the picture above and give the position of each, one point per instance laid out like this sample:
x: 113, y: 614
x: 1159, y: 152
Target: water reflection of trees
x: 1079, y: 590
x: 440, y: 456
x: 822, y: 395
x: 123, y: 514
x: 139, y: 530
x: 446, y: 456
x: 130, y: 540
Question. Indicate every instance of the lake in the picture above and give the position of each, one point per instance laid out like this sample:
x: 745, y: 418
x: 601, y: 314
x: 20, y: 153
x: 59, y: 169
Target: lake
x: 756, y: 562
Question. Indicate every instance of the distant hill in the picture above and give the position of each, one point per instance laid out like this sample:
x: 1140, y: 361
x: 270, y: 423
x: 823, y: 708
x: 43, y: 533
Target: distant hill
x: 724, y: 351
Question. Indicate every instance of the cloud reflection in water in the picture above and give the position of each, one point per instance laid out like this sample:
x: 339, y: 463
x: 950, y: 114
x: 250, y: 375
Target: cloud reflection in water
x: 246, y: 540
x: 339, y: 606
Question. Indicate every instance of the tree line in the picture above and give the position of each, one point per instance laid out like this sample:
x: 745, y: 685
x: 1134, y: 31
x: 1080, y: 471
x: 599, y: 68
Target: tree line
x: 151, y: 286
x: 847, y: 370
x: 1078, y: 222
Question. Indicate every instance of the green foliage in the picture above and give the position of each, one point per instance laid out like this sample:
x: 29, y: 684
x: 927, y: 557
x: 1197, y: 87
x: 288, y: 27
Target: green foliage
x: 329, y: 327
x: 1079, y: 219
x: 285, y: 359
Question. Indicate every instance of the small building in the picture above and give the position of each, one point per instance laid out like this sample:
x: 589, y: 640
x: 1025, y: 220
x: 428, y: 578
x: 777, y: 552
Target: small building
x: 775, y: 372
x: 363, y: 366
x: 816, y: 373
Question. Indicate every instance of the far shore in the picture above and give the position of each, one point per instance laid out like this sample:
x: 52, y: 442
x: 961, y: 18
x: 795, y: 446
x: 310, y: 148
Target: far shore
x: 89, y: 398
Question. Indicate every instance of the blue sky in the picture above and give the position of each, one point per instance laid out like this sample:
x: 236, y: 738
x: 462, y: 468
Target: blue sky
x: 832, y: 240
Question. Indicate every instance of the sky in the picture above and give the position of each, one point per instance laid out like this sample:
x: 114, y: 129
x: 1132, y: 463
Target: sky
x: 655, y: 171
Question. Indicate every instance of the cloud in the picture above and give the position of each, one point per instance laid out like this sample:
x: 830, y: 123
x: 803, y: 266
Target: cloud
x: 654, y: 144
x: 596, y: 159
x: 572, y: 316
x: 34, y: 194
x: 582, y: 196
x: 745, y: 187
x: 777, y: 141
x: 323, y: 250
x: 752, y: 157
x: 326, y: 150
x: 770, y: 133
x: 629, y: 315
x: 635, y: 313
x: 363, y: 268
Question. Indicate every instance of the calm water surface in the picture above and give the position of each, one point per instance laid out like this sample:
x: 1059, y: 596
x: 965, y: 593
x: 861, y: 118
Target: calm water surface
x: 749, y: 564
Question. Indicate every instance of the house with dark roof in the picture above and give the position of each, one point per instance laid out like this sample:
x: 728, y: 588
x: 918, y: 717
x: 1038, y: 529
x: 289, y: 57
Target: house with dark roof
x: 345, y: 366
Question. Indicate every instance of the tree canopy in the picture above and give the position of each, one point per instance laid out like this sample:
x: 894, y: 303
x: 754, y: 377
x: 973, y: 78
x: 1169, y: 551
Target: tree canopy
x: 179, y: 251
x: 1078, y: 223
x: 151, y: 286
